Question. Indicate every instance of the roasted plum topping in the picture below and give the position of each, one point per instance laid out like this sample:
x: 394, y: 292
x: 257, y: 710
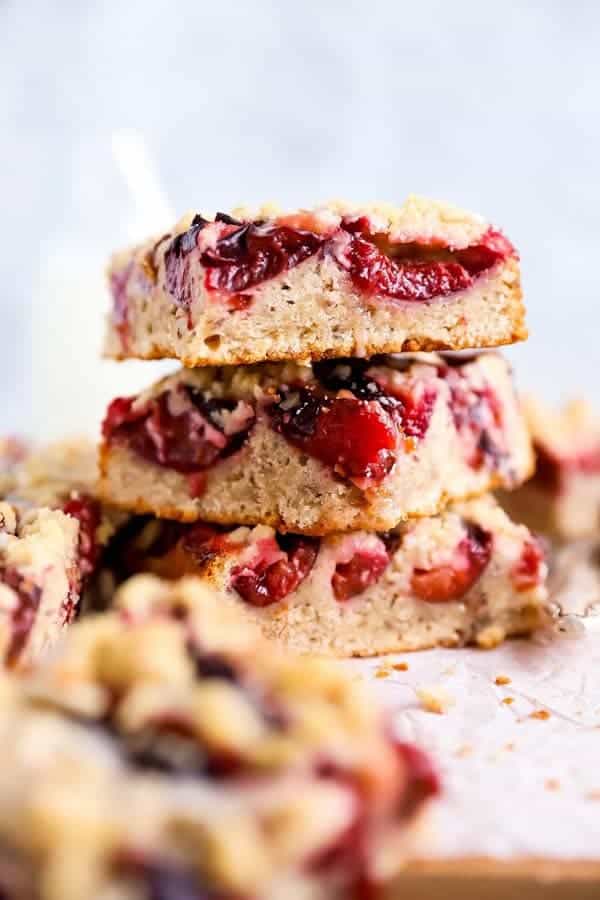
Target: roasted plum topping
x: 23, y: 615
x: 87, y: 512
x: 478, y: 418
x: 452, y: 580
x: 239, y: 256
x: 356, y: 438
x: 278, y: 570
x: 414, y: 271
x: 181, y: 429
x: 254, y: 252
x: 362, y: 570
x: 528, y: 571
x: 351, y: 421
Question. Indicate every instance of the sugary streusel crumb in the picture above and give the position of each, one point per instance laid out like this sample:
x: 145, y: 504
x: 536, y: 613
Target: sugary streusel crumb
x: 435, y: 699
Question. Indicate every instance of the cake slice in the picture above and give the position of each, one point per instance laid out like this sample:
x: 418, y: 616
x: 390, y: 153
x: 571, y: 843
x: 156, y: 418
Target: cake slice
x: 64, y: 475
x: 339, y: 445
x: 562, y: 500
x: 468, y: 575
x: 40, y: 580
x: 160, y: 757
x: 52, y: 531
x: 338, y: 280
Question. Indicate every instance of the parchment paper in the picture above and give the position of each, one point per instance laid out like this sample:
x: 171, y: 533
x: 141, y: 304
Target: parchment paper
x: 521, y: 778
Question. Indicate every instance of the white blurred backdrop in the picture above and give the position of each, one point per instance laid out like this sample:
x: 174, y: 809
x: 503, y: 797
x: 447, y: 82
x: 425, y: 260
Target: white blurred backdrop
x: 113, y: 112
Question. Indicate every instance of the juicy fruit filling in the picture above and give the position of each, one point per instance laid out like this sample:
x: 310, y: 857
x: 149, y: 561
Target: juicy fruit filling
x: 181, y: 429
x: 237, y: 256
x: 356, y: 438
x: 355, y: 416
x: 453, y: 579
x: 478, y: 418
x: 282, y: 565
x: 250, y: 253
x: 529, y: 569
x: 87, y: 512
x: 276, y: 567
x: 364, y: 568
x: 28, y: 597
x: 349, y: 422
x: 413, y: 271
x: 273, y: 568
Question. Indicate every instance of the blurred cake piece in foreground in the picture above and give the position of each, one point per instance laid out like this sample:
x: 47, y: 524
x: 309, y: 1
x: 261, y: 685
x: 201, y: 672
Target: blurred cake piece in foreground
x: 40, y: 579
x: 171, y: 756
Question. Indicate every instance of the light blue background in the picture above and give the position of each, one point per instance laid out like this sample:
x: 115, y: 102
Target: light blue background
x: 492, y: 106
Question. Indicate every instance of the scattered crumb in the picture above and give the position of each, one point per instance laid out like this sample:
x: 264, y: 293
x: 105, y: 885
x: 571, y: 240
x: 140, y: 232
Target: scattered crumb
x: 541, y: 714
x: 463, y: 751
x: 435, y: 699
x: 400, y: 667
x: 502, y: 679
x: 508, y: 700
x: 552, y: 784
x: 382, y: 672
x: 594, y: 795
x: 510, y: 746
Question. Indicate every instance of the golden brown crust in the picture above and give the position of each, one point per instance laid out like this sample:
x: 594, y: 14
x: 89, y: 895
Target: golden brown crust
x: 523, y: 629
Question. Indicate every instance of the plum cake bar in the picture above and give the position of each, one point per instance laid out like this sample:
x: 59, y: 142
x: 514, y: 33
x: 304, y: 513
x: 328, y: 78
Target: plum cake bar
x: 40, y: 579
x: 339, y: 445
x: 562, y: 500
x: 52, y: 530
x: 468, y: 575
x: 163, y: 757
x: 334, y: 281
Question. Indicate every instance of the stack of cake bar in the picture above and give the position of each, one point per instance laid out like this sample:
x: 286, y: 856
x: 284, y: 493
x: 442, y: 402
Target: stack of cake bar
x: 166, y: 755
x: 324, y: 459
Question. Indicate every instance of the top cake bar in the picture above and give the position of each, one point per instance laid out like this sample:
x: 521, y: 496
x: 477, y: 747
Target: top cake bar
x: 334, y: 281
